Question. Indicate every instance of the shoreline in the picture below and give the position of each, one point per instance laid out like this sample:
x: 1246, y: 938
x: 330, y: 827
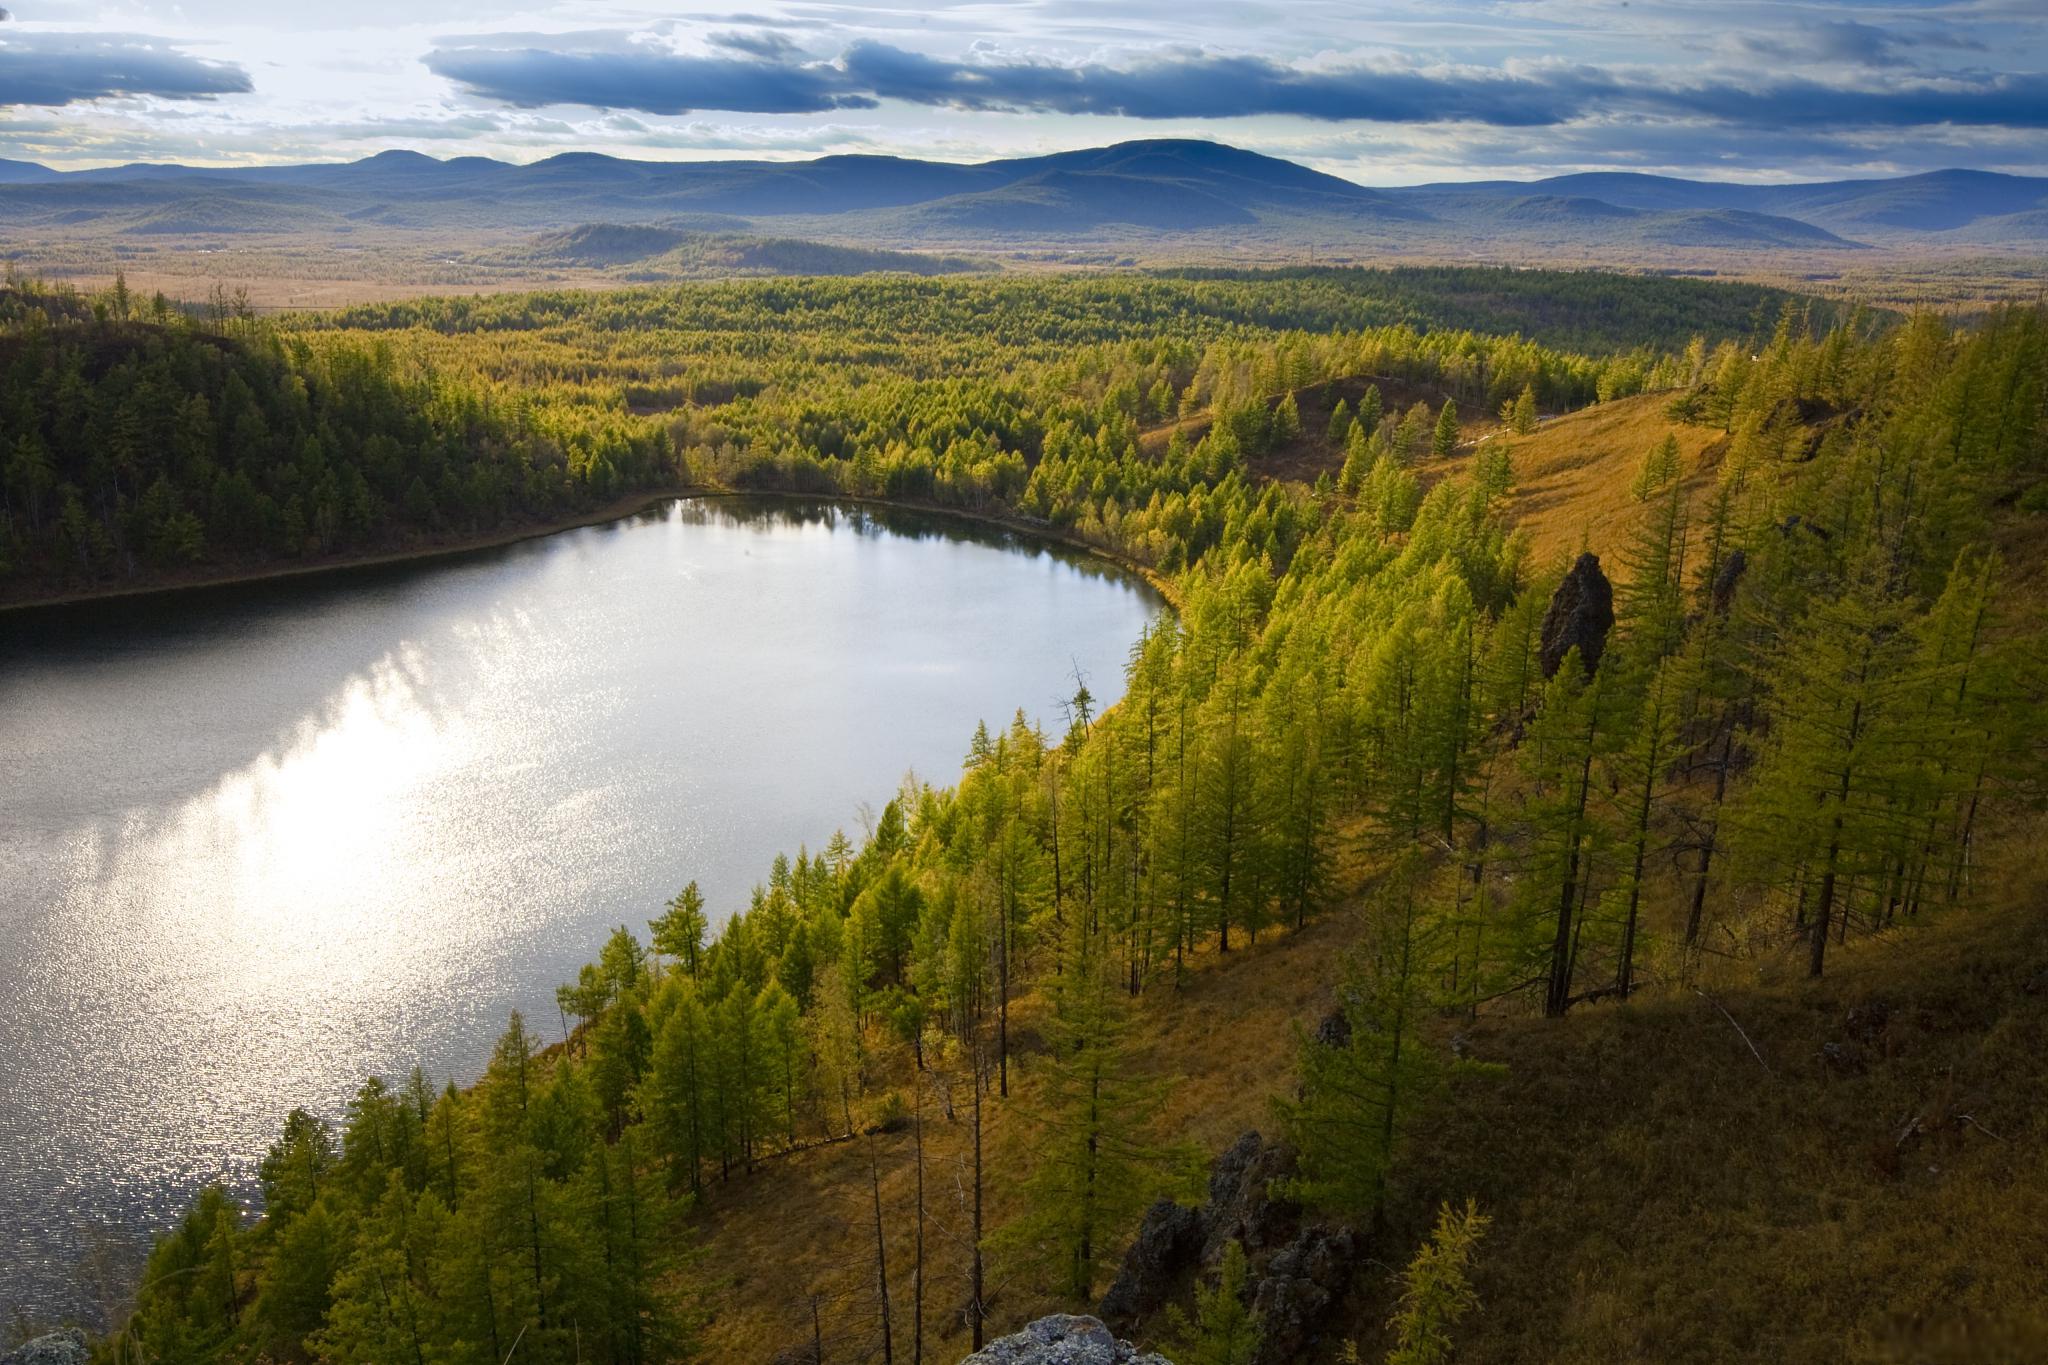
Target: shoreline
x: 618, y: 510
x: 1150, y: 577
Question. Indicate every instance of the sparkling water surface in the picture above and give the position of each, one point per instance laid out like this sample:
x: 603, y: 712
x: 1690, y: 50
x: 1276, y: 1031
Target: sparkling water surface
x: 258, y: 842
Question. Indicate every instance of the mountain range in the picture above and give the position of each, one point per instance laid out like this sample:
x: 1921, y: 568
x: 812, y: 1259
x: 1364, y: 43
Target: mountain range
x: 1145, y: 191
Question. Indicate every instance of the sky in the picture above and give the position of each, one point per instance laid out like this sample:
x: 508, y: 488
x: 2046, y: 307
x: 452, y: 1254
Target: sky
x: 1396, y: 93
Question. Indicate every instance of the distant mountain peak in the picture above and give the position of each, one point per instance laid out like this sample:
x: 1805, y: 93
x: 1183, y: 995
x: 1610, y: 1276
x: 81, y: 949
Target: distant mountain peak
x: 1157, y: 185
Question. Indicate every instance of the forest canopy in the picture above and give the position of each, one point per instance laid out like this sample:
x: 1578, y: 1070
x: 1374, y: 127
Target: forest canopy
x: 1782, y: 718
x: 144, y: 441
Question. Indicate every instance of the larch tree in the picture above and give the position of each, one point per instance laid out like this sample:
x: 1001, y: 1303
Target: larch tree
x: 679, y: 933
x: 1822, y: 808
x: 1444, y: 439
x: 1357, y: 1100
x: 1097, y: 1164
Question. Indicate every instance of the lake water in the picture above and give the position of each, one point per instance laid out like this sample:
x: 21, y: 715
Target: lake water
x: 259, y: 842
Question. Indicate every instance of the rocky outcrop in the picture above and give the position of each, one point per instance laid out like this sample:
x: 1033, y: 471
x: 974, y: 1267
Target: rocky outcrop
x: 1063, y: 1339
x: 1726, y: 579
x: 1243, y: 1207
x: 58, y: 1348
x: 1160, y: 1261
x: 1580, y: 615
x: 1301, y: 1288
x: 1335, y: 1030
x: 1299, y: 1274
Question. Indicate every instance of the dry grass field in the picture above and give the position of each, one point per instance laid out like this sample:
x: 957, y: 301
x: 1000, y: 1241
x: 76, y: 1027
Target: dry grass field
x: 1572, y: 474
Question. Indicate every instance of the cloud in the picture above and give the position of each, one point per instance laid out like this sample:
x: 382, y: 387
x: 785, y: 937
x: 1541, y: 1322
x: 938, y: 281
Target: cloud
x: 1853, y: 43
x: 51, y: 69
x: 650, y: 79
x: 770, y: 76
x: 770, y: 46
x: 2001, y: 101
x: 1200, y: 85
x: 770, y: 79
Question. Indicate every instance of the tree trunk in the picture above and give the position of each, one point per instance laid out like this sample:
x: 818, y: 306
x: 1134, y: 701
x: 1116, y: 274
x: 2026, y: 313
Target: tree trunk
x: 975, y: 1310
x: 881, y: 1251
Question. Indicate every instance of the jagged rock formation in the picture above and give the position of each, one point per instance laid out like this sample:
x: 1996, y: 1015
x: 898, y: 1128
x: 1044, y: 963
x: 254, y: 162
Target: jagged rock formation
x: 1580, y: 615
x: 1302, y: 1285
x: 1335, y: 1030
x: 1168, y: 1246
x: 1243, y: 1206
x: 58, y: 1348
x: 1299, y: 1273
x: 1726, y: 578
x: 1063, y: 1339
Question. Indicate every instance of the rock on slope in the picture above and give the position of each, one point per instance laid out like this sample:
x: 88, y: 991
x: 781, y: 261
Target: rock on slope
x: 58, y: 1348
x: 1063, y: 1339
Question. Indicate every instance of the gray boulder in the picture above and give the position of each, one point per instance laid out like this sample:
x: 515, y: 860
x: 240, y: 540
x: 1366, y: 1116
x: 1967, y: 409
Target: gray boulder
x: 58, y: 1348
x: 1299, y: 1275
x: 1063, y: 1339
x: 1580, y: 615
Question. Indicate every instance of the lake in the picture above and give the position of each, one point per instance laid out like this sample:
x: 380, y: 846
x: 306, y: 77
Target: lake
x: 258, y: 842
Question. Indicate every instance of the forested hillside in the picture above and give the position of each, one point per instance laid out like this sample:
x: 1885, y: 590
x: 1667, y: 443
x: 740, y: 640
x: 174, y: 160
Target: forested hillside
x: 145, y: 443
x: 1795, y: 715
x: 139, y: 443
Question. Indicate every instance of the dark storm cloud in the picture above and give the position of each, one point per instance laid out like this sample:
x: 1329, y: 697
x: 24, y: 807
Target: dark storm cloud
x: 2006, y: 101
x: 51, y: 69
x: 772, y: 78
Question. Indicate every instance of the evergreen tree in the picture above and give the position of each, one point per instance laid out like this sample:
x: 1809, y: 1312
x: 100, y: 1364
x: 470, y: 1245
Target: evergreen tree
x: 1436, y: 1289
x: 679, y: 933
x: 381, y: 1312
x: 1339, y: 430
x: 1823, y: 807
x: 1444, y: 442
x: 1521, y: 415
x: 1357, y: 1100
x: 1224, y: 1330
x: 1097, y: 1165
x: 1286, y: 420
x: 1371, y: 408
x: 1658, y: 469
x: 677, y: 1094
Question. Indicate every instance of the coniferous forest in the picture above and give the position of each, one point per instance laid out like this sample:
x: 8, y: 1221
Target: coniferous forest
x: 149, y: 443
x: 1791, y: 713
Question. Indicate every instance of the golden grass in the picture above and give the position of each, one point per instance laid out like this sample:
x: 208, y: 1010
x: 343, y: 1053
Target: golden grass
x: 1657, y: 1194
x: 1660, y: 1195
x: 1572, y: 474
x: 803, y: 1225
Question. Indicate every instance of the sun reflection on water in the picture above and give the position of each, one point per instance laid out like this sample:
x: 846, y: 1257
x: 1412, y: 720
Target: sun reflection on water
x: 265, y: 848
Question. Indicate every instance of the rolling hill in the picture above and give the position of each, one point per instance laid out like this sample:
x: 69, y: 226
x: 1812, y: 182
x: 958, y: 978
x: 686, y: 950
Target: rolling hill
x: 715, y: 245
x: 1899, y: 209
x: 457, y: 222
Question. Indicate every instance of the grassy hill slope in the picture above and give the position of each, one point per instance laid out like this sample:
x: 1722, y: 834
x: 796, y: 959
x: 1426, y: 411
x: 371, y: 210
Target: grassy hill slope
x: 1737, y: 1164
x: 1658, y: 1193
